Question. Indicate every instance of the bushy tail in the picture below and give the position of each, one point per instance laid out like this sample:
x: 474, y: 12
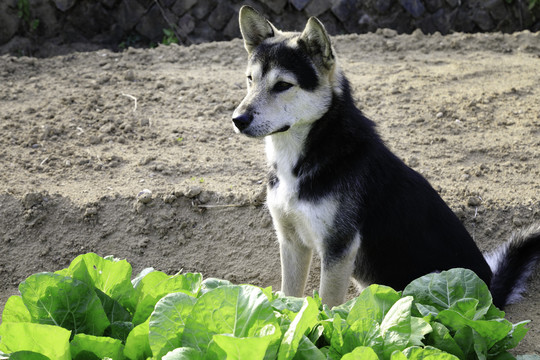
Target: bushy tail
x: 512, y: 264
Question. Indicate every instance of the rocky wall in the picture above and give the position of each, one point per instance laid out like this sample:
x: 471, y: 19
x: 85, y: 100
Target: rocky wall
x: 25, y: 24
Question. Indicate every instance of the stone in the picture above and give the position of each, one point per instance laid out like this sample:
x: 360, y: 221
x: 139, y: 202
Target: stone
x: 220, y: 16
x: 31, y: 200
x: 277, y: 6
x: 144, y: 196
x: 343, y: 9
x: 453, y: 3
x: 483, y: 20
x: 186, y: 24
x: 128, y: 14
x: 64, y: 5
x: 317, y: 7
x: 203, y: 8
x: 46, y: 13
x: 181, y: 7
x: 414, y: 7
x: 382, y: 6
x: 434, y: 5
x: 9, y: 20
x: 90, y: 18
x: 299, y: 4
x: 152, y: 24
x: 232, y: 29
x: 497, y: 9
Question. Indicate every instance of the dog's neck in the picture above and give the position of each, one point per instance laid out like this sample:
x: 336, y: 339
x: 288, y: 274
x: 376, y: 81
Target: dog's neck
x: 284, y: 149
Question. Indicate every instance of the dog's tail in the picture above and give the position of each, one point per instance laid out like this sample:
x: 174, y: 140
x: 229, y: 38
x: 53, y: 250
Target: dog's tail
x: 512, y: 264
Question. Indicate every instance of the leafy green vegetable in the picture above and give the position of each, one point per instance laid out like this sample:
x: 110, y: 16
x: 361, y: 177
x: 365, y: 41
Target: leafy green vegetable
x: 94, y: 310
x: 47, y: 340
x: 63, y: 301
x: 83, y: 346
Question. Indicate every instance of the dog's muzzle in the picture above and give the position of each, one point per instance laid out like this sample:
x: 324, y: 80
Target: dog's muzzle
x: 242, y: 121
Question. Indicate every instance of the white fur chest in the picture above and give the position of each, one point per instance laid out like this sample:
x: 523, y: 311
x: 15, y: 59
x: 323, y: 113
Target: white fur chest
x: 295, y: 219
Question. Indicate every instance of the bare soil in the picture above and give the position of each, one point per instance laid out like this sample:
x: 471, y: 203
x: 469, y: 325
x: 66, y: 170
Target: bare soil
x: 82, y: 134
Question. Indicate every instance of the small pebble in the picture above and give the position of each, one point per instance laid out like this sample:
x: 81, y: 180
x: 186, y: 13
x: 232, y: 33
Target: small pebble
x: 145, y: 196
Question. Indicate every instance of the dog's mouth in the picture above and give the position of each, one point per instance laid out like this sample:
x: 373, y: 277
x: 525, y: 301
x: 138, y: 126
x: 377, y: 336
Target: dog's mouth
x: 283, y: 129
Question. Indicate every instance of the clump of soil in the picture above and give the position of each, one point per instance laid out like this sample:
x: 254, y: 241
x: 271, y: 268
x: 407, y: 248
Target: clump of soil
x: 133, y: 153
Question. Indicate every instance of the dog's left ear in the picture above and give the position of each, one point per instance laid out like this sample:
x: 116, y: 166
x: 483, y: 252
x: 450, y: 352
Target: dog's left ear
x: 254, y: 28
x: 318, y: 42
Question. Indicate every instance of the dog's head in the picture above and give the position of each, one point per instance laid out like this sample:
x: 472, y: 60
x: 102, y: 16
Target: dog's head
x: 290, y: 76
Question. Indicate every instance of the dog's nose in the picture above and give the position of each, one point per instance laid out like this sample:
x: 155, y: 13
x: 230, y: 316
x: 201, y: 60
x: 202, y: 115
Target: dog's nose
x: 242, y: 121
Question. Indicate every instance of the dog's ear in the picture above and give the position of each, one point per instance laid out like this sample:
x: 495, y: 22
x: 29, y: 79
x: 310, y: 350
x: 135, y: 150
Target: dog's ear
x: 254, y: 27
x: 318, y: 42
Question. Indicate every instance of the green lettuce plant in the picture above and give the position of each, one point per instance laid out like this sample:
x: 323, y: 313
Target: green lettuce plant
x: 95, y: 310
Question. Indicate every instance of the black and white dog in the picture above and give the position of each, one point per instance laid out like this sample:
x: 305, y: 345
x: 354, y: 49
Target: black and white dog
x: 335, y: 188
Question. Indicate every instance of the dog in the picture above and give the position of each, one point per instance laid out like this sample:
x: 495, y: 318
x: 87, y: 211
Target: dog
x: 336, y: 189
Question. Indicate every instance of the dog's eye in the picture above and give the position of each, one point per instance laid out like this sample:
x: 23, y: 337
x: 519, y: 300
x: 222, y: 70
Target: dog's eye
x: 250, y: 79
x: 281, y: 86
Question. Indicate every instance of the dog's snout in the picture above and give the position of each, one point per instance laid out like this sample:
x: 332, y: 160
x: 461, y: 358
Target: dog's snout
x: 242, y: 121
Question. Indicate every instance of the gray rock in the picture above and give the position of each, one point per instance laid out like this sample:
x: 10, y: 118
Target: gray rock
x: 46, y: 13
x: 31, y: 200
x: 497, y: 9
x: 220, y: 16
x: 414, y: 7
x: 276, y: 6
x: 203, y: 8
x: 9, y: 20
x: 64, y: 5
x: 299, y: 4
x: 382, y: 6
x: 453, y: 3
x: 152, y: 24
x: 434, y: 5
x: 317, y: 7
x: 145, y: 196
x: 343, y: 9
x: 186, y: 24
x: 128, y: 14
x: 232, y: 30
x: 482, y: 19
x: 180, y: 7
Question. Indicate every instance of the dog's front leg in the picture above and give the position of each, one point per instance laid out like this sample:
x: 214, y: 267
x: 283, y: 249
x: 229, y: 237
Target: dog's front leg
x: 336, y: 272
x: 295, y: 263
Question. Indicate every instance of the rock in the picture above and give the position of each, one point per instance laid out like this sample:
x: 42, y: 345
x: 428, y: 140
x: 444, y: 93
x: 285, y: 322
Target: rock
x: 317, y: 7
x: 31, y: 200
x: 414, y: 7
x: 483, y: 20
x: 453, y: 3
x: 474, y: 201
x: 187, y: 23
x: 434, y: 5
x: 203, y: 8
x: 145, y: 196
x: 220, y: 16
x: 128, y: 14
x: 9, y: 20
x: 277, y: 6
x: 180, y: 7
x: 497, y: 9
x: 152, y: 24
x: 299, y: 4
x: 343, y: 9
x: 192, y: 191
x: 64, y: 5
x: 382, y: 6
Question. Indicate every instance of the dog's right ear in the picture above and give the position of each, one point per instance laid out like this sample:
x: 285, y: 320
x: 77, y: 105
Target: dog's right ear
x: 254, y: 27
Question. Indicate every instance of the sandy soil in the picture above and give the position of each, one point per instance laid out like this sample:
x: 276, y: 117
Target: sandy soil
x: 84, y: 133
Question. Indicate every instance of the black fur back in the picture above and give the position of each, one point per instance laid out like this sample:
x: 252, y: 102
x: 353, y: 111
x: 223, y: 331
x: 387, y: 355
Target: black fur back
x: 406, y: 228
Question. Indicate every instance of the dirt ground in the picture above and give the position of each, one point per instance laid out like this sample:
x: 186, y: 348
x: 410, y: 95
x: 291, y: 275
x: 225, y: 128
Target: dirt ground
x: 133, y: 153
